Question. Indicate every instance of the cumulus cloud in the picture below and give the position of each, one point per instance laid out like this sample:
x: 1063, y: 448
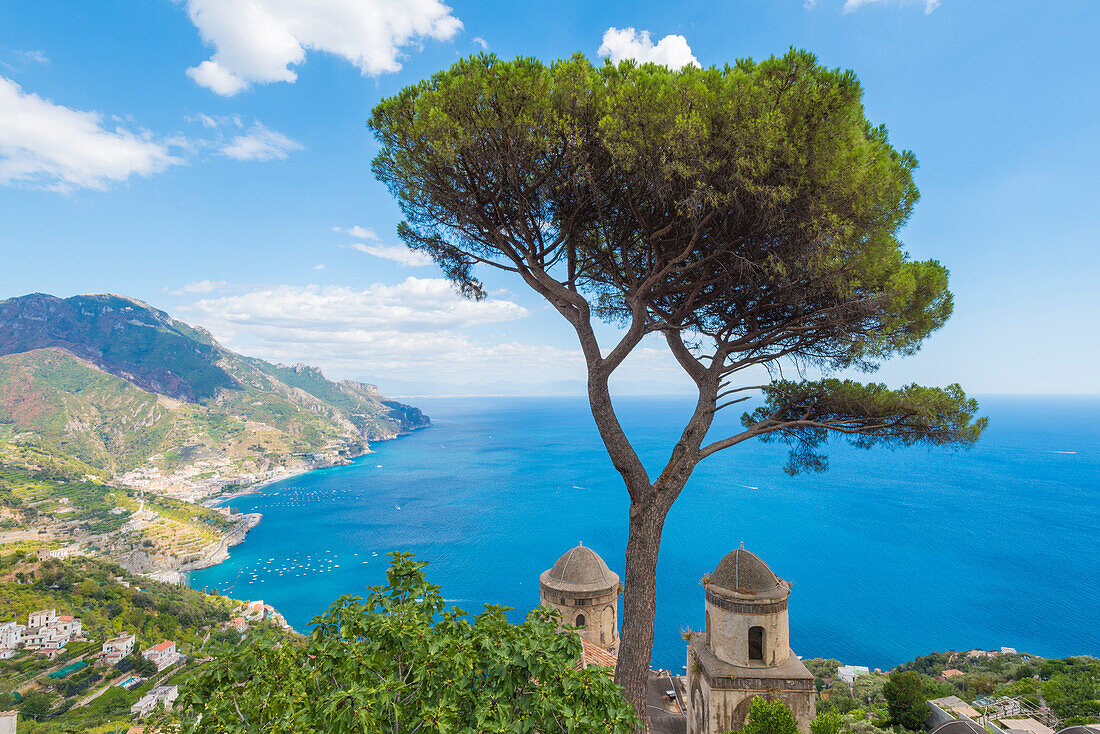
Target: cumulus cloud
x: 50, y: 146
x: 851, y: 5
x: 627, y: 43
x: 261, y: 144
x: 258, y: 41
x: 481, y: 42
x: 397, y: 253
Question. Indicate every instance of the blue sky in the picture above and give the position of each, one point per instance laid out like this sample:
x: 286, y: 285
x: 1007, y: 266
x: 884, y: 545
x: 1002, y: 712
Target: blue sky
x: 219, y: 168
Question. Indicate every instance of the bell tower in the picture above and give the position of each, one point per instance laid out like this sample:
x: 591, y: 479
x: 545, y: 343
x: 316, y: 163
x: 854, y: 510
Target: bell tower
x: 745, y: 649
x: 586, y: 594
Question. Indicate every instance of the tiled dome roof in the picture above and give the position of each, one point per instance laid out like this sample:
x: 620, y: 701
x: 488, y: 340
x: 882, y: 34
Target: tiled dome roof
x: 580, y: 569
x: 741, y: 570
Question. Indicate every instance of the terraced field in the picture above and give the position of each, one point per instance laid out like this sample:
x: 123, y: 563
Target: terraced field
x: 97, y: 516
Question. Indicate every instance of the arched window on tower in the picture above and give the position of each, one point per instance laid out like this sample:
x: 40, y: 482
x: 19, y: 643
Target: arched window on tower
x: 581, y: 621
x: 756, y: 643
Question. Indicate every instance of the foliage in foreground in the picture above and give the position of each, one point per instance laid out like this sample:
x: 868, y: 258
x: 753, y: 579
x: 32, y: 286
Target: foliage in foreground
x: 769, y: 717
x: 399, y: 661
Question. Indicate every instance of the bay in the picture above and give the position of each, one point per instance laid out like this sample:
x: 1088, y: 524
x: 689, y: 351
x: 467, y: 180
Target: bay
x: 892, y: 553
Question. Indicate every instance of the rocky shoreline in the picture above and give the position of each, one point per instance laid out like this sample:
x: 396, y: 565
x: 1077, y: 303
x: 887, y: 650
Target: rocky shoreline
x: 220, y: 552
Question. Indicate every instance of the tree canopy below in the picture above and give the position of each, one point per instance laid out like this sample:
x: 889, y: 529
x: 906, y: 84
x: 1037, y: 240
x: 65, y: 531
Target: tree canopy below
x: 398, y: 660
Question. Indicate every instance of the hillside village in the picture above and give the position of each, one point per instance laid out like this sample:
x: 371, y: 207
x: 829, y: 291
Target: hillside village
x: 112, y: 646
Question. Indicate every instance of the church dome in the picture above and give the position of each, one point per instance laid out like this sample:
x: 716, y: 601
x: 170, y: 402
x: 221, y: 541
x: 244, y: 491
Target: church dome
x: 743, y: 571
x: 580, y: 569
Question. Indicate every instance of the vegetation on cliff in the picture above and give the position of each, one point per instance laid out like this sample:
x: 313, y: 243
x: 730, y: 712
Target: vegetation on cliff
x: 144, y: 532
x: 1068, y: 688
x: 109, y: 602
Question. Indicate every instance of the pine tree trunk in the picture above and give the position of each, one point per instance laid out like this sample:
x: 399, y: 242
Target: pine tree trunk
x: 639, y: 602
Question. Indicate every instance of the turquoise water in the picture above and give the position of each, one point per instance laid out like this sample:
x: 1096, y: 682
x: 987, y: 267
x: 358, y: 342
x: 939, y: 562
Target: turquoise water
x: 892, y: 553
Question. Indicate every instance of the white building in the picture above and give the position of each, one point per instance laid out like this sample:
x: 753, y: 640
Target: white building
x: 163, y: 655
x: 849, y: 673
x: 256, y: 611
x: 45, y: 640
x: 41, y: 618
x: 11, y: 635
x: 165, y: 695
x: 69, y: 626
x: 8, y: 721
x: 47, y: 633
x: 116, y: 648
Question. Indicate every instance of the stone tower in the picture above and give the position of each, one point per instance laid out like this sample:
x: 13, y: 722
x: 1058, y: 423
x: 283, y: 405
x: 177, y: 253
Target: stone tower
x: 586, y: 593
x: 745, y: 651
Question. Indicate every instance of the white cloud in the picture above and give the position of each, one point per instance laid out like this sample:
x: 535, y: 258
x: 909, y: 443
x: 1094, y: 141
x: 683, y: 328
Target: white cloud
x: 50, y: 146
x: 415, y: 329
x: 214, y: 122
x: 363, y: 233
x: 201, y: 286
x: 627, y: 43
x: 215, y: 78
x: 397, y: 253
x: 261, y: 144
x: 320, y: 266
x: 36, y: 56
x: 257, y: 41
x: 417, y: 304
x: 481, y: 42
x: 851, y: 5
x: 419, y: 332
x: 257, y: 143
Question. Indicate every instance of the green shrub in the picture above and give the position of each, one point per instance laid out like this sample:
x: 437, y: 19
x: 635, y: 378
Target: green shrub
x: 769, y: 717
x: 904, y: 694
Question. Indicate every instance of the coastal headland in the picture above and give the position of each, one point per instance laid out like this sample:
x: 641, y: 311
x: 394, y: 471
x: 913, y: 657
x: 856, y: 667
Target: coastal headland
x: 123, y: 430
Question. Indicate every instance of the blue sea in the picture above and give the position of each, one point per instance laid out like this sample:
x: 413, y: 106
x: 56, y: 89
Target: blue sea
x: 892, y: 554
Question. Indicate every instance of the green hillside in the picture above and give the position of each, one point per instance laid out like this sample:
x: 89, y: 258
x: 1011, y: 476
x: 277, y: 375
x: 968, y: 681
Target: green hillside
x: 115, y: 383
x: 69, y: 694
x: 120, y: 335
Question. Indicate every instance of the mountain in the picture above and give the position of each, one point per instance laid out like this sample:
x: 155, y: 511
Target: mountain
x: 124, y: 387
